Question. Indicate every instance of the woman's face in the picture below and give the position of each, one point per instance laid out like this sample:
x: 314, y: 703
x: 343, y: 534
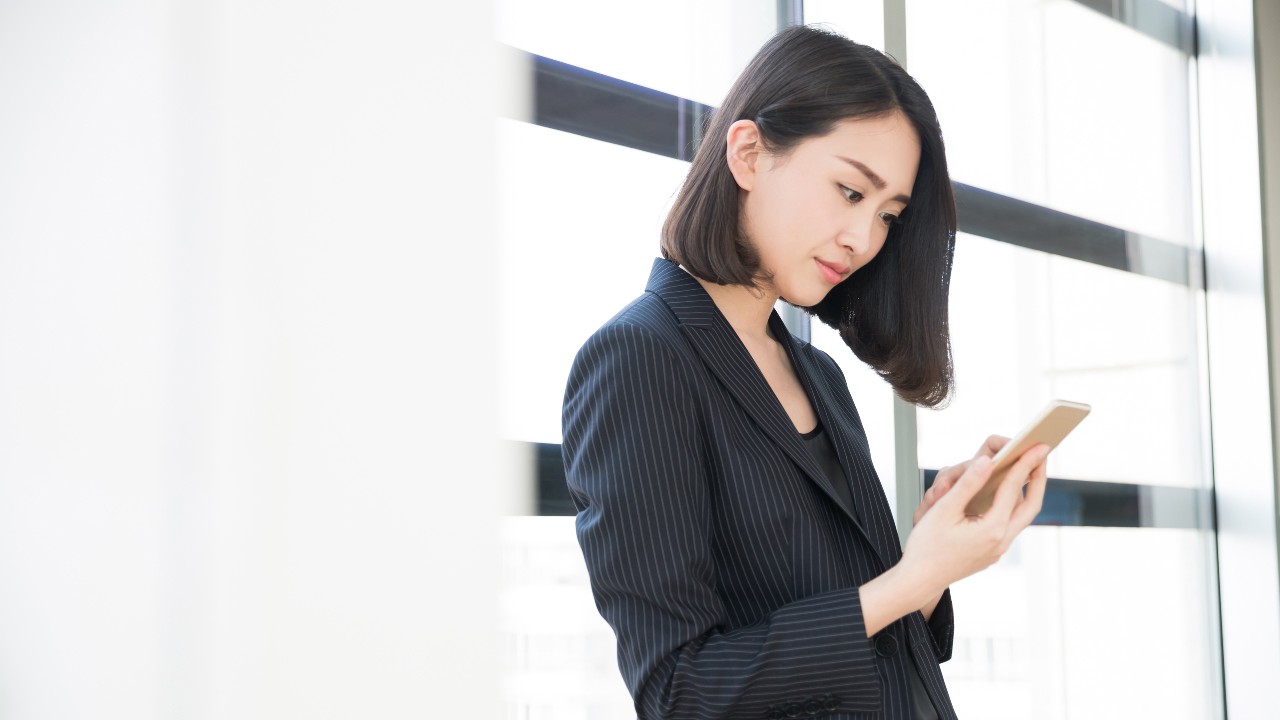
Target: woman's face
x: 823, y: 210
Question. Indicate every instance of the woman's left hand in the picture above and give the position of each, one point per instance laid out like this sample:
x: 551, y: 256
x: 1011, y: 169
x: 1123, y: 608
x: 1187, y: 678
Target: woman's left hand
x: 947, y: 476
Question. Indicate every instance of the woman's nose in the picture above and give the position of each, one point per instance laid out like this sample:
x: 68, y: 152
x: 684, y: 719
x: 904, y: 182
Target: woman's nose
x: 857, y: 234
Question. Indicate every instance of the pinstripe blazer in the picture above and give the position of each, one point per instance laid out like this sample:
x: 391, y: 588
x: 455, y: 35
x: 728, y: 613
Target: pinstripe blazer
x: 726, y: 563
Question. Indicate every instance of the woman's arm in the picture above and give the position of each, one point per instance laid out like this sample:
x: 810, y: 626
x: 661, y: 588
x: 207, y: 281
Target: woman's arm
x: 634, y: 466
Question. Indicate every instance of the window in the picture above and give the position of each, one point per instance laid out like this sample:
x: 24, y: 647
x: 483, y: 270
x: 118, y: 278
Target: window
x: 1078, y: 274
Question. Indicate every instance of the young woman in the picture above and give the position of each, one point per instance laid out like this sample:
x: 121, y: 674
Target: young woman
x: 736, y: 535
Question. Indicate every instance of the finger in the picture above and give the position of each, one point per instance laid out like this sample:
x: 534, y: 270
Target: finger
x: 947, y: 476
x: 992, y: 446
x: 941, y: 484
x: 927, y: 501
x: 1031, y: 504
x: 1010, y: 490
x: 944, y: 482
x: 966, y: 486
x: 941, y: 477
x: 935, y: 491
x: 929, y: 497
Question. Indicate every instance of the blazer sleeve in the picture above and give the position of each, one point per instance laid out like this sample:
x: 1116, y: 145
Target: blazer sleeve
x: 634, y: 466
x: 942, y: 626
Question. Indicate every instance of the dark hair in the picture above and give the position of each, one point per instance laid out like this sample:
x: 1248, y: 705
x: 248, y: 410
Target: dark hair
x: 892, y: 312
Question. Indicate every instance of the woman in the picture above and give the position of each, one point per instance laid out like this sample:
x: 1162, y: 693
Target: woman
x: 737, y: 538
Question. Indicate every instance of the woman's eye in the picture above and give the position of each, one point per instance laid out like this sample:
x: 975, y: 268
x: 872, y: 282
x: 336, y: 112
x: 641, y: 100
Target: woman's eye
x: 854, y: 197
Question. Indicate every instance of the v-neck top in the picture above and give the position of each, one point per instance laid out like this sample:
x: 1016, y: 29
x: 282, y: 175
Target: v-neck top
x: 824, y: 452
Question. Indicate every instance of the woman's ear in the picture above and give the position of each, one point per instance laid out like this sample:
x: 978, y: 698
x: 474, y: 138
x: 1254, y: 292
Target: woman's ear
x: 742, y: 152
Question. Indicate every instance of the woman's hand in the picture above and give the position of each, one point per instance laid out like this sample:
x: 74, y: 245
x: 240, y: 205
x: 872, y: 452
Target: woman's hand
x: 947, y: 476
x: 942, y: 482
x: 948, y: 544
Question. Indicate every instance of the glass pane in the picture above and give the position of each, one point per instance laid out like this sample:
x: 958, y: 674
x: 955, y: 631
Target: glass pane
x: 1061, y: 106
x: 859, y: 20
x: 1028, y: 327
x: 578, y: 232
x: 693, y: 50
x: 1089, y: 624
x: 559, y: 655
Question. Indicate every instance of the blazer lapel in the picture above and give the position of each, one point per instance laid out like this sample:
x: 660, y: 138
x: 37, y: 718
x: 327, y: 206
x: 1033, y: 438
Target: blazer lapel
x: 714, y: 339
x: 876, y: 525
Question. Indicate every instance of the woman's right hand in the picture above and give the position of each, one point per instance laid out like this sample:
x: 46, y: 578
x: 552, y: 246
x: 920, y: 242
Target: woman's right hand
x: 948, y: 545
x: 948, y: 476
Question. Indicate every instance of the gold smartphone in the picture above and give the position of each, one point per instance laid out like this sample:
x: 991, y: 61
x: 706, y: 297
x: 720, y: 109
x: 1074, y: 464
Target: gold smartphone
x: 1053, y: 424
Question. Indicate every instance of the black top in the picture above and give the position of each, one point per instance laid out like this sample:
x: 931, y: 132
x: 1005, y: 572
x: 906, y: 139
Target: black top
x: 825, y: 453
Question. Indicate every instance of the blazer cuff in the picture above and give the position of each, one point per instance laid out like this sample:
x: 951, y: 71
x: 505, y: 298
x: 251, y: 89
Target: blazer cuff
x: 942, y: 626
x: 827, y: 647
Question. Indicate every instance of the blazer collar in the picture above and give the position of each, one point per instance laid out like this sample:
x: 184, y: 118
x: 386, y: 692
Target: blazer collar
x: 723, y: 352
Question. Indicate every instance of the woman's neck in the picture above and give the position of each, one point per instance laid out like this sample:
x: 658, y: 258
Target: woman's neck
x: 746, y: 309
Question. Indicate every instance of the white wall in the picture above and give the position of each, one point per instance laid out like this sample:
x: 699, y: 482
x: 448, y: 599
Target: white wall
x: 245, y: 360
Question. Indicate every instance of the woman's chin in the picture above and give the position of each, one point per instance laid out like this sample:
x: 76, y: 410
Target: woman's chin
x: 805, y: 298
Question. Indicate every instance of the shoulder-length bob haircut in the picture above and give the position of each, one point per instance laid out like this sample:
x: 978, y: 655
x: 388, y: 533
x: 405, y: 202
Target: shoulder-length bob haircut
x: 892, y: 312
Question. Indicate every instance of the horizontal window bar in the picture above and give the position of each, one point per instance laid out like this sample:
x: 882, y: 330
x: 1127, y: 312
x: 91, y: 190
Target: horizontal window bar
x: 553, y: 492
x: 1067, y: 503
x: 1152, y: 18
x: 1086, y: 503
x: 600, y: 107
x: 1017, y: 222
x: 589, y: 104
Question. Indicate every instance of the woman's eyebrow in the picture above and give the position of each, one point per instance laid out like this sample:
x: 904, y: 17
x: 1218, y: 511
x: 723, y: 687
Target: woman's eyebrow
x: 875, y: 179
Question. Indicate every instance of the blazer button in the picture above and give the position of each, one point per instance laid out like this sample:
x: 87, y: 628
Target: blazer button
x: 794, y: 710
x: 886, y: 645
x: 812, y: 707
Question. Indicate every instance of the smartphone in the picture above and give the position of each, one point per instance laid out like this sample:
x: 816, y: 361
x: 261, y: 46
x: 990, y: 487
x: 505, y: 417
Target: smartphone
x: 1050, y: 427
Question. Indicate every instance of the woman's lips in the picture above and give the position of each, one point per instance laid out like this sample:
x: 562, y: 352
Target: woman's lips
x: 832, y: 272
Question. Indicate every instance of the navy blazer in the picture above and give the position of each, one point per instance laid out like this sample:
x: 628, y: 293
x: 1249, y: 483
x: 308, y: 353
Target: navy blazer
x: 726, y: 563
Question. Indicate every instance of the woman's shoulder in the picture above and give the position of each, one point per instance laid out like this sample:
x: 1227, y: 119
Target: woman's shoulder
x: 642, y: 338
x: 644, y: 324
x: 646, y: 311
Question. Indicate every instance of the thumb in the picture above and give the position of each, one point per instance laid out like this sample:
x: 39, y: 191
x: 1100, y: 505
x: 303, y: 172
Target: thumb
x: 968, y: 485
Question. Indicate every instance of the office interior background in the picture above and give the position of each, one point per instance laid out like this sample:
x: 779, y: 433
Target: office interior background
x: 289, y: 291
